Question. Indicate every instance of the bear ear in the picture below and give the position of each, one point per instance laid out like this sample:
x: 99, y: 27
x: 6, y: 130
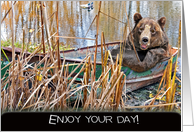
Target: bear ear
x: 137, y: 17
x: 162, y: 22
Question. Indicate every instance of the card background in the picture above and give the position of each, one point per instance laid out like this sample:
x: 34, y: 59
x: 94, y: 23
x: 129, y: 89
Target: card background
x: 187, y: 65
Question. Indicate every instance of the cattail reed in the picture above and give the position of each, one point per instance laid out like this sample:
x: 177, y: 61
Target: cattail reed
x: 43, y: 44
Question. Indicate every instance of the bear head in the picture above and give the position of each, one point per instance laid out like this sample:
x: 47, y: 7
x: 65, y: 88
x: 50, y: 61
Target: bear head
x: 148, y: 33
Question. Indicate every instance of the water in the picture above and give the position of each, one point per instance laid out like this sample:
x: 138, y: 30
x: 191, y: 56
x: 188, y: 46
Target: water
x: 74, y: 21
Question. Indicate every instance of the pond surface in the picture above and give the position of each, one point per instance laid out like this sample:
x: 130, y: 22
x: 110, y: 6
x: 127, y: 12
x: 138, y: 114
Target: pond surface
x: 74, y: 21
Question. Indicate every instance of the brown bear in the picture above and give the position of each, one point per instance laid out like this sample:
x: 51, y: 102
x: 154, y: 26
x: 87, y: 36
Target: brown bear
x: 150, y: 41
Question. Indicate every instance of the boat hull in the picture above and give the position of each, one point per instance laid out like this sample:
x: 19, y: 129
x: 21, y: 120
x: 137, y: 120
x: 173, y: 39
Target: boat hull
x: 134, y: 80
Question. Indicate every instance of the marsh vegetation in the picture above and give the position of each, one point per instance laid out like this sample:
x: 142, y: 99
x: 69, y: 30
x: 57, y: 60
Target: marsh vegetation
x: 45, y: 28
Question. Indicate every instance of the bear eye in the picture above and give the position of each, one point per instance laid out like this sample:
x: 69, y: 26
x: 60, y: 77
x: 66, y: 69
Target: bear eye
x: 140, y: 29
x: 153, y: 31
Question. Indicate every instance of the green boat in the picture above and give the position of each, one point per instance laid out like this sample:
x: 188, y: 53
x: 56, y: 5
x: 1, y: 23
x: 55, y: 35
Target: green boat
x: 134, y: 80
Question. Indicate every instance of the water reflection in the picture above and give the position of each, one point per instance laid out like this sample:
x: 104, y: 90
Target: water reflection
x: 75, y: 21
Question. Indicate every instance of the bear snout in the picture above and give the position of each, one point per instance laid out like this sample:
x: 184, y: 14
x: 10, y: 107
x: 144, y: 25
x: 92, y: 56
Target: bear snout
x: 144, y: 43
x: 145, y: 40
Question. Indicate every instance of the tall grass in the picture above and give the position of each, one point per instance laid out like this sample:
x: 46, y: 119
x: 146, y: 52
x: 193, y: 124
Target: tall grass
x: 34, y: 90
x: 49, y: 85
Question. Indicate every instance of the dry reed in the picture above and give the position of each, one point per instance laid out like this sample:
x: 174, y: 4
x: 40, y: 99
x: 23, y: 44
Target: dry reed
x: 35, y: 91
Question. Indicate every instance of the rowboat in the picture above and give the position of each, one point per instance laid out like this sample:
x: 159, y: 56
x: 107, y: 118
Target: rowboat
x: 134, y: 80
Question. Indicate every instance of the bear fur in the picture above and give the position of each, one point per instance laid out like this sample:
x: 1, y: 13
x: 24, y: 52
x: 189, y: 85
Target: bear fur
x: 150, y: 41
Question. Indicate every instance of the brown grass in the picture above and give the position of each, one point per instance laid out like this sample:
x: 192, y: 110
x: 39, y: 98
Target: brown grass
x: 52, y: 86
